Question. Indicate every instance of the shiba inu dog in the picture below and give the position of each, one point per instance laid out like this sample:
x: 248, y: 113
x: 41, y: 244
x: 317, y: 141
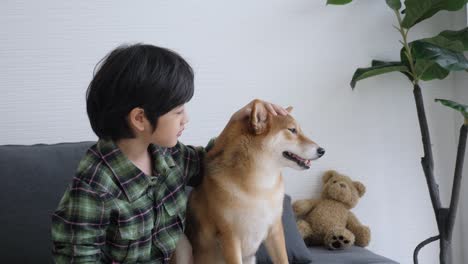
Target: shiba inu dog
x: 240, y: 201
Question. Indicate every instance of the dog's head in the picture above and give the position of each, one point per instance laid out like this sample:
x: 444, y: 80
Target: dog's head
x: 282, y: 137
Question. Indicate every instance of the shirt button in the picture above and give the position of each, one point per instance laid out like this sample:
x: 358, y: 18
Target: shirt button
x: 153, y: 180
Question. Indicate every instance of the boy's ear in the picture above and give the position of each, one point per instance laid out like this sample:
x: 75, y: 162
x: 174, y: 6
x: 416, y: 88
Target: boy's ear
x: 258, y: 118
x: 136, y: 118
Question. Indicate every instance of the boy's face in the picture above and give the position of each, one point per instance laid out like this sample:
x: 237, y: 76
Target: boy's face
x: 170, y: 127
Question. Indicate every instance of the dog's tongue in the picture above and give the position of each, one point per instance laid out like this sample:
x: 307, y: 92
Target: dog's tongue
x: 297, y: 157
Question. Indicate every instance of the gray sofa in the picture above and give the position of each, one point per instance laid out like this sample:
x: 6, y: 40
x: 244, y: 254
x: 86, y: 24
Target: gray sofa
x: 33, y: 181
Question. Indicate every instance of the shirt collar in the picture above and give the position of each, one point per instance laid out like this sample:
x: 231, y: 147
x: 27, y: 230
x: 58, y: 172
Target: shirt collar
x: 130, y: 178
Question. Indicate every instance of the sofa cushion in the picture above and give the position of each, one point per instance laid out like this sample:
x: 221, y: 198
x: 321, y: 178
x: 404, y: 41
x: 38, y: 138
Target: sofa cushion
x: 352, y: 255
x: 34, y: 179
x: 295, y: 246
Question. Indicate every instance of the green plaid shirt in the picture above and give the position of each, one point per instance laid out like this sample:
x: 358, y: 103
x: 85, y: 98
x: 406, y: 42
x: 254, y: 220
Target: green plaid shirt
x: 114, y: 213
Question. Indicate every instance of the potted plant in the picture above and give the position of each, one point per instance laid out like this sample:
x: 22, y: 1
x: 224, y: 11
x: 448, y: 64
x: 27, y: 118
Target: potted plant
x: 424, y: 60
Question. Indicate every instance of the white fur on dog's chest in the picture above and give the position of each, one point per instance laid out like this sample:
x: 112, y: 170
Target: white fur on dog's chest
x: 253, y: 221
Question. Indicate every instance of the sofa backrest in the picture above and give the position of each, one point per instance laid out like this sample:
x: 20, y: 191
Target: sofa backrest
x: 34, y: 179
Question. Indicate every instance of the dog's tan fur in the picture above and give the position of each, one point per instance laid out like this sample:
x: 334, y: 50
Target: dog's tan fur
x: 239, y: 203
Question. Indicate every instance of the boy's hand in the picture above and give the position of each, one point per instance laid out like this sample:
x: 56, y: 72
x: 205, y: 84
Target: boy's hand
x: 246, y: 110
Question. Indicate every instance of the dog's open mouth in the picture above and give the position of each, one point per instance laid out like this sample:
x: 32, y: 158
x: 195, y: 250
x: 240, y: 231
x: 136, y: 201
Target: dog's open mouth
x: 304, y: 163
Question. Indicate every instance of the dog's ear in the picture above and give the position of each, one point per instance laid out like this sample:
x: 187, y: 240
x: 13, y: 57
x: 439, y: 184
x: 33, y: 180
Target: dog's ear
x: 289, y: 109
x: 258, y: 118
x: 360, y: 188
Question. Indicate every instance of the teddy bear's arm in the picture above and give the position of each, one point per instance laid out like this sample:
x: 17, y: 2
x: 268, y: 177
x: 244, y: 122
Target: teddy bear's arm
x: 353, y: 222
x: 303, y: 207
x: 361, y: 232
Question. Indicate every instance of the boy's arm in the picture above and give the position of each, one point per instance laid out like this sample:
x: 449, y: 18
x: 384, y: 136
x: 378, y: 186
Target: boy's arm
x: 191, y: 161
x: 78, y: 226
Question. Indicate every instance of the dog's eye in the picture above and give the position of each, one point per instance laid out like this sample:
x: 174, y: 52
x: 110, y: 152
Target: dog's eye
x: 293, y: 130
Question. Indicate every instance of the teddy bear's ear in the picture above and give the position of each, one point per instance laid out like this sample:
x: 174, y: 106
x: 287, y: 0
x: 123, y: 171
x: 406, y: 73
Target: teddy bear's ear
x: 360, y: 188
x: 328, y: 174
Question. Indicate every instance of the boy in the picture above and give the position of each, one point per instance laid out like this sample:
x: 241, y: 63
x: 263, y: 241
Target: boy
x: 127, y: 200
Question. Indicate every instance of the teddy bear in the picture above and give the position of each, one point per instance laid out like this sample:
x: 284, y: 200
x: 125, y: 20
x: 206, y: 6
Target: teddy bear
x: 328, y: 220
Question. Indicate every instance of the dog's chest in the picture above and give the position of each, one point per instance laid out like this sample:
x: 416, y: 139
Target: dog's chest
x: 254, y: 219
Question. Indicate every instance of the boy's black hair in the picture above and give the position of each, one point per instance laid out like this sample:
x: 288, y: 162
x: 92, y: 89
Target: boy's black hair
x: 153, y: 78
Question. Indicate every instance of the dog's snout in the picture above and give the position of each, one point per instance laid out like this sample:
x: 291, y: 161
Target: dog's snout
x: 320, y: 151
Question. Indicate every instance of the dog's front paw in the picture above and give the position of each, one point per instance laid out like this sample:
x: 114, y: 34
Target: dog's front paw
x: 339, y: 239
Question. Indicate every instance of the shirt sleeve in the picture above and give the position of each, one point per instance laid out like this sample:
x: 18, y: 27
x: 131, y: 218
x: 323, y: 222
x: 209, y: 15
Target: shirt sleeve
x: 191, y: 160
x: 78, y: 225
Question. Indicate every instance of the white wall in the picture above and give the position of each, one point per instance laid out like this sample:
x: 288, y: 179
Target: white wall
x: 300, y: 53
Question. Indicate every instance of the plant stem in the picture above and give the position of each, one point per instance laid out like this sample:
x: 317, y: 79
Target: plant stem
x: 457, y: 180
x: 428, y: 168
x: 404, y: 35
x: 427, y: 161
